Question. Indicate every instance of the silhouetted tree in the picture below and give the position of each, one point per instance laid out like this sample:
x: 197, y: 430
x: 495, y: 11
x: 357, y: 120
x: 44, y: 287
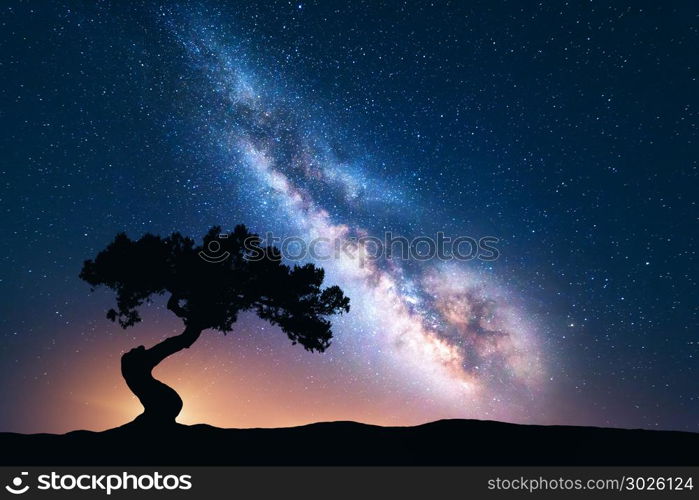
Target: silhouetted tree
x: 207, y: 295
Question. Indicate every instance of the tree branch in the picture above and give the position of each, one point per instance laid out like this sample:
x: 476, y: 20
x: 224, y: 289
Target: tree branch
x: 171, y: 345
x: 173, y: 304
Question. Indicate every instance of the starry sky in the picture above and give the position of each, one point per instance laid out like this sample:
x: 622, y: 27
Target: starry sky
x: 567, y: 131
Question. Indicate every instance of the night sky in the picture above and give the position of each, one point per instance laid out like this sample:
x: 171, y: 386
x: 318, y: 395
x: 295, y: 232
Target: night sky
x: 565, y: 130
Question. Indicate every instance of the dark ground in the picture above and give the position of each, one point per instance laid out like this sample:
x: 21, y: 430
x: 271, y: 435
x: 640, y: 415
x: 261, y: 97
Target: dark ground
x: 445, y: 442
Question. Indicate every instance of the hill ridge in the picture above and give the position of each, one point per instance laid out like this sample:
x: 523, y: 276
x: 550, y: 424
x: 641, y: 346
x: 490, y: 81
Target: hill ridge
x: 441, y: 442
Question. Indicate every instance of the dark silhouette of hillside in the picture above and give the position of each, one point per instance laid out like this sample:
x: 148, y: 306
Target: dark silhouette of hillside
x: 445, y: 442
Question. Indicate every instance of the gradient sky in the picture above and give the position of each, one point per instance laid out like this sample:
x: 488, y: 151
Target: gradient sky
x: 568, y: 132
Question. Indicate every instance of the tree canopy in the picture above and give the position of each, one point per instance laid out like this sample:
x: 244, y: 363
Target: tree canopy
x: 210, y: 295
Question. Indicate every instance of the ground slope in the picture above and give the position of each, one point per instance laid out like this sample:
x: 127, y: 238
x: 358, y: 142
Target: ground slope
x: 445, y: 442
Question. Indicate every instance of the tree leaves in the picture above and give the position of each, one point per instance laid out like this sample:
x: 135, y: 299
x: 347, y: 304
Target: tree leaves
x: 210, y: 293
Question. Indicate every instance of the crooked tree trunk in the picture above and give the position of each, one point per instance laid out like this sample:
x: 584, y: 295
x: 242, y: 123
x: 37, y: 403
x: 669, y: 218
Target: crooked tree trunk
x: 160, y: 402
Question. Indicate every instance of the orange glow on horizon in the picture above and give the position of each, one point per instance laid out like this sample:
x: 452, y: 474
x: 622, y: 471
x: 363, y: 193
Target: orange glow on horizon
x: 222, y: 383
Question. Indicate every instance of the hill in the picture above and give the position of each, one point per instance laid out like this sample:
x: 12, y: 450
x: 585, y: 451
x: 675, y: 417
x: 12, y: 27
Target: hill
x: 444, y: 442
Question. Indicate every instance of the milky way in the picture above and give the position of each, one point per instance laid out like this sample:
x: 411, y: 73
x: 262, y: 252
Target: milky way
x: 567, y: 131
x: 448, y: 328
